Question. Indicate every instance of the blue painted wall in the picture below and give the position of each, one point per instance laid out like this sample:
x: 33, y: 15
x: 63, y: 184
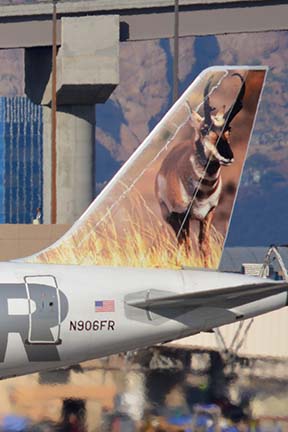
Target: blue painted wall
x: 21, y: 157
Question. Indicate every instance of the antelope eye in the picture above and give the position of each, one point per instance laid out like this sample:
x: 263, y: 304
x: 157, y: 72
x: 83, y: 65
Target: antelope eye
x: 227, y: 134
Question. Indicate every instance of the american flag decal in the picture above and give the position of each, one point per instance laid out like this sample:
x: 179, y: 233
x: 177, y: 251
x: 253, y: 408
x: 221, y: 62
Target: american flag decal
x: 104, y: 306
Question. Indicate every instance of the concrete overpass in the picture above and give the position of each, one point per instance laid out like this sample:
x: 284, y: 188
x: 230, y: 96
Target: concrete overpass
x: 29, y: 25
x: 89, y: 33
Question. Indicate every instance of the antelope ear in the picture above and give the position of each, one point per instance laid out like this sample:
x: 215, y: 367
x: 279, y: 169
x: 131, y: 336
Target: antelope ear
x: 195, y: 119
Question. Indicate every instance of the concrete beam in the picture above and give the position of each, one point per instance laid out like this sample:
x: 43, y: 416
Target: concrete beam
x: 87, y: 63
x: 28, y: 34
x: 69, y: 7
x: 217, y: 20
x: 29, y: 25
x: 88, y: 60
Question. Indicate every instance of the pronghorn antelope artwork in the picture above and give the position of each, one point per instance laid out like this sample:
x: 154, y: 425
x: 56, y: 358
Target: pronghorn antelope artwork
x: 189, y: 184
x: 185, y: 174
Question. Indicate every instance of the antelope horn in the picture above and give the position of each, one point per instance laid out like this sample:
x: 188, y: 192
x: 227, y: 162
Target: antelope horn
x: 207, y: 107
x: 188, y: 107
x: 238, y: 104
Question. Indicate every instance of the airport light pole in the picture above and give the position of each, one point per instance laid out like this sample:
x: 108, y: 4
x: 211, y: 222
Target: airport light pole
x: 54, y: 119
x: 176, y: 51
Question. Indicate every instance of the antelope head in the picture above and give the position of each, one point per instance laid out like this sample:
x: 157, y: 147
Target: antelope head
x: 213, y: 130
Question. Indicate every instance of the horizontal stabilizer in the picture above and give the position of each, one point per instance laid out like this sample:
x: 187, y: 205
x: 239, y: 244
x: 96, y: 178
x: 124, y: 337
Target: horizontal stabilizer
x: 227, y: 297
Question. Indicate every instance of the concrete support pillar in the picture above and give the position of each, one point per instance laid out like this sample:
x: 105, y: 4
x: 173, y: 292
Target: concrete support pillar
x: 75, y: 155
x: 87, y: 73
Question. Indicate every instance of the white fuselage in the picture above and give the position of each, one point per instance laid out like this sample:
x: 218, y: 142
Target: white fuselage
x: 49, y: 318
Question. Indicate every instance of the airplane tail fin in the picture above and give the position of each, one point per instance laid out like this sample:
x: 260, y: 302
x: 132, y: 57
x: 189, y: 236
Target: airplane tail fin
x: 170, y: 204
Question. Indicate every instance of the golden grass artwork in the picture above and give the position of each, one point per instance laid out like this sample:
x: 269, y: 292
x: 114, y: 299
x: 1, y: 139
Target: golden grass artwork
x: 143, y: 240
